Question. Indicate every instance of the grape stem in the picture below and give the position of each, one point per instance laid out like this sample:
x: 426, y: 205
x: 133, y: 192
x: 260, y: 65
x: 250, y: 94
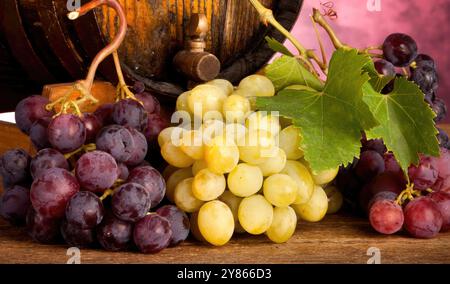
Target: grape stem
x: 123, y: 92
x: 85, y: 148
x: 408, y: 194
x: 107, y: 193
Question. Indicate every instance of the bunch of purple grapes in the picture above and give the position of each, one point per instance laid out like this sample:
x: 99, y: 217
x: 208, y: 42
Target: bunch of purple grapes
x: 400, y: 51
x: 84, y: 195
x: 372, y: 184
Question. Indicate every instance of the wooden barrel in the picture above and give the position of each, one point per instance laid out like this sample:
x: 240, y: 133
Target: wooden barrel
x: 51, y: 48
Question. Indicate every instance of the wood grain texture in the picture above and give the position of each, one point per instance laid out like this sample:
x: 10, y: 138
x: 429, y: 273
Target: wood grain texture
x: 337, y: 239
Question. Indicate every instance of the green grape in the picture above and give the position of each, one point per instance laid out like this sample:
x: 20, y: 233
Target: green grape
x: 255, y: 214
x: 302, y: 177
x: 174, y: 156
x: 236, y: 109
x: 225, y: 85
x: 256, y: 146
x: 257, y: 86
x: 245, y: 180
x: 262, y: 121
x: 290, y: 139
x: 233, y: 202
x: 192, y: 144
x: 170, y: 134
x: 235, y: 132
x: 198, y: 166
x: 273, y: 165
x: 205, y: 98
x: 174, y: 179
x: 222, y: 155
x: 280, y: 190
x: 335, y: 199
x: 208, y: 186
x: 211, y: 129
x: 316, y: 208
x: 182, y: 102
x: 216, y: 223
x: 283, y: 225
x: 185, y: 199
x: 325, y: 177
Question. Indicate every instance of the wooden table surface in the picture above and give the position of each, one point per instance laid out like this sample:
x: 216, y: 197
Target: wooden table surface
x: 337, y: 239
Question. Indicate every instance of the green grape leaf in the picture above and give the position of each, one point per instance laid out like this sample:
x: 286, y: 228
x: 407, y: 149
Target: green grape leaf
x: 406, y: 121
x: 277, y: 46
x: 287, y: 71
x: 377, y: 80
x: 330, y: 120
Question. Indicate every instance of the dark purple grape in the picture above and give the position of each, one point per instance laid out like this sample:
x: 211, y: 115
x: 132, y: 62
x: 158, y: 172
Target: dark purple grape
x: 92, y: 125
x: 140, y: 148
x: 29, y: 110
x: 384, y: 67
x: 152, y: 181
x: 14, y: 166
x: 14, y: 205
x: 349, y: 185
x: 179, y: 223
x: 430, y: 97
x: 386, y: 216
x: 399, y: 49
x: 440, y: 108
x: 138, y: 87
x: 131, y: 202
x: 75, y: 236
x: 104, y: 114
x: 376, y: 145
x: 442, y: 200
x: 47, y: 159
x: 123, y: 171
x: 156, y: 124
x: 443, y: 138
x: 370, y: 164
x: 117, y: 141
x: 424, y: 60
x: 114, y: 234
x: 41, y: 229
x: 130, y: 113
x: 85, y: 210
x: 152, y: 233
x: 38, y: 133
x: 151, y: 104
x: 51, y: 191
x: 391, y: 166
x: 96, y: 171
x: 423, y: 218
x: 387, y: 182
x: 426, y: 77
x: 66, y: 133
x: 424, y: 175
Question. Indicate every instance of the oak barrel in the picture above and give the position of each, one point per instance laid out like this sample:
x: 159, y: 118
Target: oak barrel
x: 50, y: 48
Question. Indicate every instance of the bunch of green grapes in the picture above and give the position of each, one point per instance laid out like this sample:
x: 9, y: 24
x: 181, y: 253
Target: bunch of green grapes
x: 241, y: 171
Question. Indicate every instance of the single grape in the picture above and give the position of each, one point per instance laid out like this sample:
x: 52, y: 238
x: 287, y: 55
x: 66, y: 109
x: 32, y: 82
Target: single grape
x: 335, y: 199
x: 38, y: 133
x: 138, y: 87
x: 185, y: 199
x: 233, y: 202
x: 104, y: 114
x: 376, y: 145
x: 29, y: 110
x: 426, y: 77
x: 440, y: 108
x: 255, y: 214
x: 225, y: 85
x: 280, y: 190
x: 385, y: 67
x: 150, y: 103
x: 424, y: 175
x: 257, y: 86
x: 14, y: 205
x: 151, y: 180
x: 442, y: 200
x: 256, y: 146
x: 370, y: 164
x: 130, y: 113
x: 179, y: 223
x: 204, y: 99
x: 290, y: 139
x: 123, y: 171
x: 84, y: 210
x: 423, y: 219
x: 174, y: 156
x: 324, y: 177
x: 66, y: 133
x: 96, y: 171
x: 236, y: 108
x: 51, y: 191
x: 216, y: 222
x: 75, y: 236
x: 391, y: 166
x: 156, y: 124
x: 222, y: 155
x: 41, y: 229
x: 423, y: 59
x: 140, y: 148
x: 93, y: 125
x: 114, y: 234
x: 117, y: 141
x: 46, y: 159
x: 399, y: 49
x: 191, y: 143
x: 208, y: 186
x: 386, y: 216
x: 173, y: 181
x: 283, y: 225
x: 273, y: 165
x: 303, y: 178
x: 245, y: 180
x: 315, y: 209
x: 14, y: 166
x: 152, y: 233
x: 385, y: 195
x: 130, y: 202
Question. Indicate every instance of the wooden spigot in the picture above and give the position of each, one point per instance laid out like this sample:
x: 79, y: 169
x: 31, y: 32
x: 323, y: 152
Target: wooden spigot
x: 194, y: 62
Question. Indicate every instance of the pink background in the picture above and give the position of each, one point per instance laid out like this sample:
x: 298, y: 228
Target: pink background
x: 427, y: 21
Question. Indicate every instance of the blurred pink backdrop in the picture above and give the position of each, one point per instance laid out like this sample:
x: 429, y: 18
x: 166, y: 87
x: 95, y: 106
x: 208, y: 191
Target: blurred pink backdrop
x: 360, y: 24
